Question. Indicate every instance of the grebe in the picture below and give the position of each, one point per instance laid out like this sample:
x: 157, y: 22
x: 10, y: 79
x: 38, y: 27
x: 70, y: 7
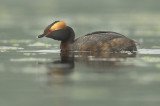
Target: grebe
x: 96, y: 41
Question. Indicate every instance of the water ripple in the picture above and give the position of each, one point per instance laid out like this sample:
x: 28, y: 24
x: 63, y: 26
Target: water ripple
x: 41, y: 51
x: 149, y: 51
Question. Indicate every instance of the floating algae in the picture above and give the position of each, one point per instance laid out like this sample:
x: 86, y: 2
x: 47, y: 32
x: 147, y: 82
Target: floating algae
x: 39, y: 44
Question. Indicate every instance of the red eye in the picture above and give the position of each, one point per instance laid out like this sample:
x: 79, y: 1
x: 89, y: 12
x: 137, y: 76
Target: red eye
x: 48, y: 32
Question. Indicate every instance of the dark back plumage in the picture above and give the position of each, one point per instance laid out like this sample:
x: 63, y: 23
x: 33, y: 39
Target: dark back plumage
x: 96, y: 41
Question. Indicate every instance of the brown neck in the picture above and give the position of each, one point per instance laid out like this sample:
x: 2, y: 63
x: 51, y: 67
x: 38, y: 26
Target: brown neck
x: 66, y: 45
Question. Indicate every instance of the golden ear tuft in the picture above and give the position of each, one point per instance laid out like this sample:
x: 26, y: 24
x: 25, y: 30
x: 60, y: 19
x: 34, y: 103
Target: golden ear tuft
x: 58, y: 25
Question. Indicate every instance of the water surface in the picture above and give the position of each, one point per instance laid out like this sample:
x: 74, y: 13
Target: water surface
x: 33, y: 72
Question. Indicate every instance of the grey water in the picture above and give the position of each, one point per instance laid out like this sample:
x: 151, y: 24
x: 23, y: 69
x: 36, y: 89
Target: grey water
x: 33, y: 72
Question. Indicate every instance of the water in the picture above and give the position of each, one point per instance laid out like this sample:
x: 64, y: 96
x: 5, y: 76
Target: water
x: 33, y: 72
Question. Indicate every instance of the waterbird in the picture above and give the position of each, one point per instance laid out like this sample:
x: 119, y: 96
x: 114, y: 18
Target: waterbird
x: 98, y: 41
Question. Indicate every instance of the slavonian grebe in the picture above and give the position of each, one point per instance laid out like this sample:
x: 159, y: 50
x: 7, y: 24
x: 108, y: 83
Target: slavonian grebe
x: 96, y: 41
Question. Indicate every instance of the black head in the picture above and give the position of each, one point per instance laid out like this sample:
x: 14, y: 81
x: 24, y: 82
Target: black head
x: 57, y: 30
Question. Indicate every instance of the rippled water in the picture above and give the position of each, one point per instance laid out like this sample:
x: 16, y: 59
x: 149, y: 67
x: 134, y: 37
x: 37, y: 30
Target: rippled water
x: 33, y: 72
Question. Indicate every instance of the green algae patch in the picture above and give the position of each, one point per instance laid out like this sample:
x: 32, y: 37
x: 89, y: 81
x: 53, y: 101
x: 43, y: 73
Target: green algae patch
x: 14, y: 41
x: 151, y: 59
x: 8, y: 48
x: 29, y: 59
x: 37, y: 44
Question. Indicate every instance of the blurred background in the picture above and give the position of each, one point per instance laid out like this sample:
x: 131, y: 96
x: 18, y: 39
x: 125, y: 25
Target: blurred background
x: 24, y: 19
x: 31, y: 69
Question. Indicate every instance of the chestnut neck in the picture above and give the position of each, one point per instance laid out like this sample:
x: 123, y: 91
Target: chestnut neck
x: 66, y: 45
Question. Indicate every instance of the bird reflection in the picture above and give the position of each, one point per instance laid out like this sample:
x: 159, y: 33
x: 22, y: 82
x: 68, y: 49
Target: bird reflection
x: 65, y: 65
x: 59, y: 71
x: 62, y: 67
x: 102, y: 59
